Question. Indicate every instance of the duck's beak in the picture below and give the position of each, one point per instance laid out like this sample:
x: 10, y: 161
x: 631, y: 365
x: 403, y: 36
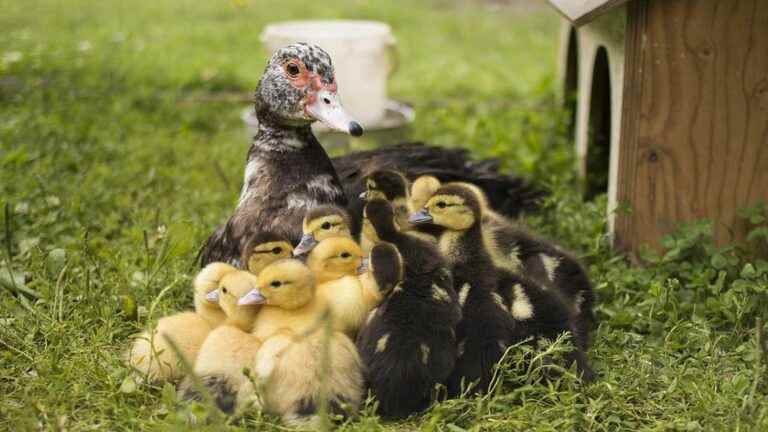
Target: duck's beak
x: 306, y: 244
x: 254, y: 297
x: 420, y: 217
x: 325, y: 106
x: 213, y: 296
x: 363, y: 266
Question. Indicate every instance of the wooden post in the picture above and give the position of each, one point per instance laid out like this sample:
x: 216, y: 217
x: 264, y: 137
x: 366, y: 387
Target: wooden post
x: 694, y: 139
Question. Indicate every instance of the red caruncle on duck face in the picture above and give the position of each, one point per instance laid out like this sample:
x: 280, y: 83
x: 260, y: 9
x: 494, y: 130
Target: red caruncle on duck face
x: 309, y: 70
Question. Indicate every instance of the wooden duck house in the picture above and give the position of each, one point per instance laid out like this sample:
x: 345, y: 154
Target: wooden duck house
x: 670, y: 105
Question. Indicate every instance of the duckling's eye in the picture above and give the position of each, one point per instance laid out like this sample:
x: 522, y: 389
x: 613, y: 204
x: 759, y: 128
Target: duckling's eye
x: 277, y: 250
x: 292, y: 69
x: 224, y: 290
x: 326, y: 226
x: 442, y: 204
x: 276, y: 284
x: 345, y: 255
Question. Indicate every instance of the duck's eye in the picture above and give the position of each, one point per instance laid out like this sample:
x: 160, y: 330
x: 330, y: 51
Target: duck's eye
x: 326, y: 226
x: 442, y: 204
x: 276, y: 284
x: 224, y: 290
x: 292, y: 69
x: 277, y: 250
x: 345, y: 255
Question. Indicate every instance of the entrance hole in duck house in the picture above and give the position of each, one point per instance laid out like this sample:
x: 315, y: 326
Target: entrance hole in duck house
x: 599, y: 141
x: 571, y: 90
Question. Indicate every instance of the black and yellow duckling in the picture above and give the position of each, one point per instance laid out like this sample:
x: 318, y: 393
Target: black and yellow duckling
x: 408, y: 343
x: 150, y: 353
x: 518, y: 251
x: 230, y: 347
x: 291, y: 361
x: 320, y: 223
x: 262, y: 249
x: 288, y: 172
x: 336, y: 263
x: 535, y: 312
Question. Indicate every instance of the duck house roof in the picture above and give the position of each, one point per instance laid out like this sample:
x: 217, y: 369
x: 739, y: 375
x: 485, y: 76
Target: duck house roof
x: 580, y: 12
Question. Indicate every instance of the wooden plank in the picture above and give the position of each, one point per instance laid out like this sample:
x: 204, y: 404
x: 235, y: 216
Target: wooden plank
x: 695, y: 138
x: 580, y: 12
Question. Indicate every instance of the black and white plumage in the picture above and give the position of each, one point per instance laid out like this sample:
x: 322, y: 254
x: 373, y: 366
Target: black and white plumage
x: 288, y: 172
x: 408, y: 343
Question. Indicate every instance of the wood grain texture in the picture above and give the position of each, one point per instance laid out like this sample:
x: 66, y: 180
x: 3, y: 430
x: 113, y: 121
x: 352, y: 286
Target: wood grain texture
x: 695, y: 123
x: 580, y: 12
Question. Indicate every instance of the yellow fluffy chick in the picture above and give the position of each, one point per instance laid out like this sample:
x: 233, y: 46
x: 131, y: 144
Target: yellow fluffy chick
x: 336, y: 263
x: 320, y: 223
x: 422, y: 190
x: 150, y: 352
x: 231, y: 347
x: 291, y: 362
x: 262, y: 249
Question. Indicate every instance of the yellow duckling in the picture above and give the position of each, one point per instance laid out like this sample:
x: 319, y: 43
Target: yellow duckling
x: 336, y: 263
x: 150, y: 353
x: 230, y: 347
x: 320, y: 223
x: 291, y: 359
x: 262, y: 249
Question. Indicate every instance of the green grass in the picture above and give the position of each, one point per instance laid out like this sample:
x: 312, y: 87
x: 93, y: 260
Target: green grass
x: 121, y: 148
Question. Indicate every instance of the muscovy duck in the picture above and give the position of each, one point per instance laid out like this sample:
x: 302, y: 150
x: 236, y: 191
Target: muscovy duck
x: 288, y: 171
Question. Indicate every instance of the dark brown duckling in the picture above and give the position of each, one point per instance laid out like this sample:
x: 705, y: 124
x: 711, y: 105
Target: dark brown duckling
x: 408, y: 343
x: 500, y: 308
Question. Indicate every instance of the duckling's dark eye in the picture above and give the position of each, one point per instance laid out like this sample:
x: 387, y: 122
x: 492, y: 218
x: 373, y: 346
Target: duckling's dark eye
x: 345, y: 255
x: 292, y: 69
x: 442, y: 204
x: 224, y: 290
x: 326, y: 226
x: 277, y: 250
x: 276, y: 284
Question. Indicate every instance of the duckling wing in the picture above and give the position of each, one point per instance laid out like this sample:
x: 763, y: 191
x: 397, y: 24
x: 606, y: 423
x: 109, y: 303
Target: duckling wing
x: 507, y: 194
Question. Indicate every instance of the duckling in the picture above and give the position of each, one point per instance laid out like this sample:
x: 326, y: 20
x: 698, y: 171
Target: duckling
x: 422, y: 190
x: 151, y: 355
x: 390, y: 186
x: 516, y: 250
x: 262, y: 249
x: 408, y: 343
x: 336, y: 263
x: 288, y: 171
x: 513, y: 306
x: 230, y: 347
x: 320, y: 223
x: 291, y: 359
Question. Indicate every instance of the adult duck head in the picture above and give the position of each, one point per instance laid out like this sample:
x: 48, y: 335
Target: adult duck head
x: 298, y: 87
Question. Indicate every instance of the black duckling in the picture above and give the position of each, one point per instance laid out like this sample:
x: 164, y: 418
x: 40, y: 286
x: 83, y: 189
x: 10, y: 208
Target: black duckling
x: 320, y: 223
x: 517, y: 250
x: 407, y: 343
x: 535, y: 312
x: 288, y: 171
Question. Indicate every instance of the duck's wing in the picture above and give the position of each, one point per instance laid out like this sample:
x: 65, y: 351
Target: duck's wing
x: 507, y: 194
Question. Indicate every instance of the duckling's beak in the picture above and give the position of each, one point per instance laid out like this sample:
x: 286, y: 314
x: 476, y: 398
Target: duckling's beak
x: 363, y: 195
x: 254, y: 297
x: 306, y: 244
x: 213, y: 296
x: 326, y: 107
x: 420, y: 217
x: 363, y: 266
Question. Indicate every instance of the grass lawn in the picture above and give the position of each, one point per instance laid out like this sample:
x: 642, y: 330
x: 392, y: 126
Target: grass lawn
x: 121, y: 149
